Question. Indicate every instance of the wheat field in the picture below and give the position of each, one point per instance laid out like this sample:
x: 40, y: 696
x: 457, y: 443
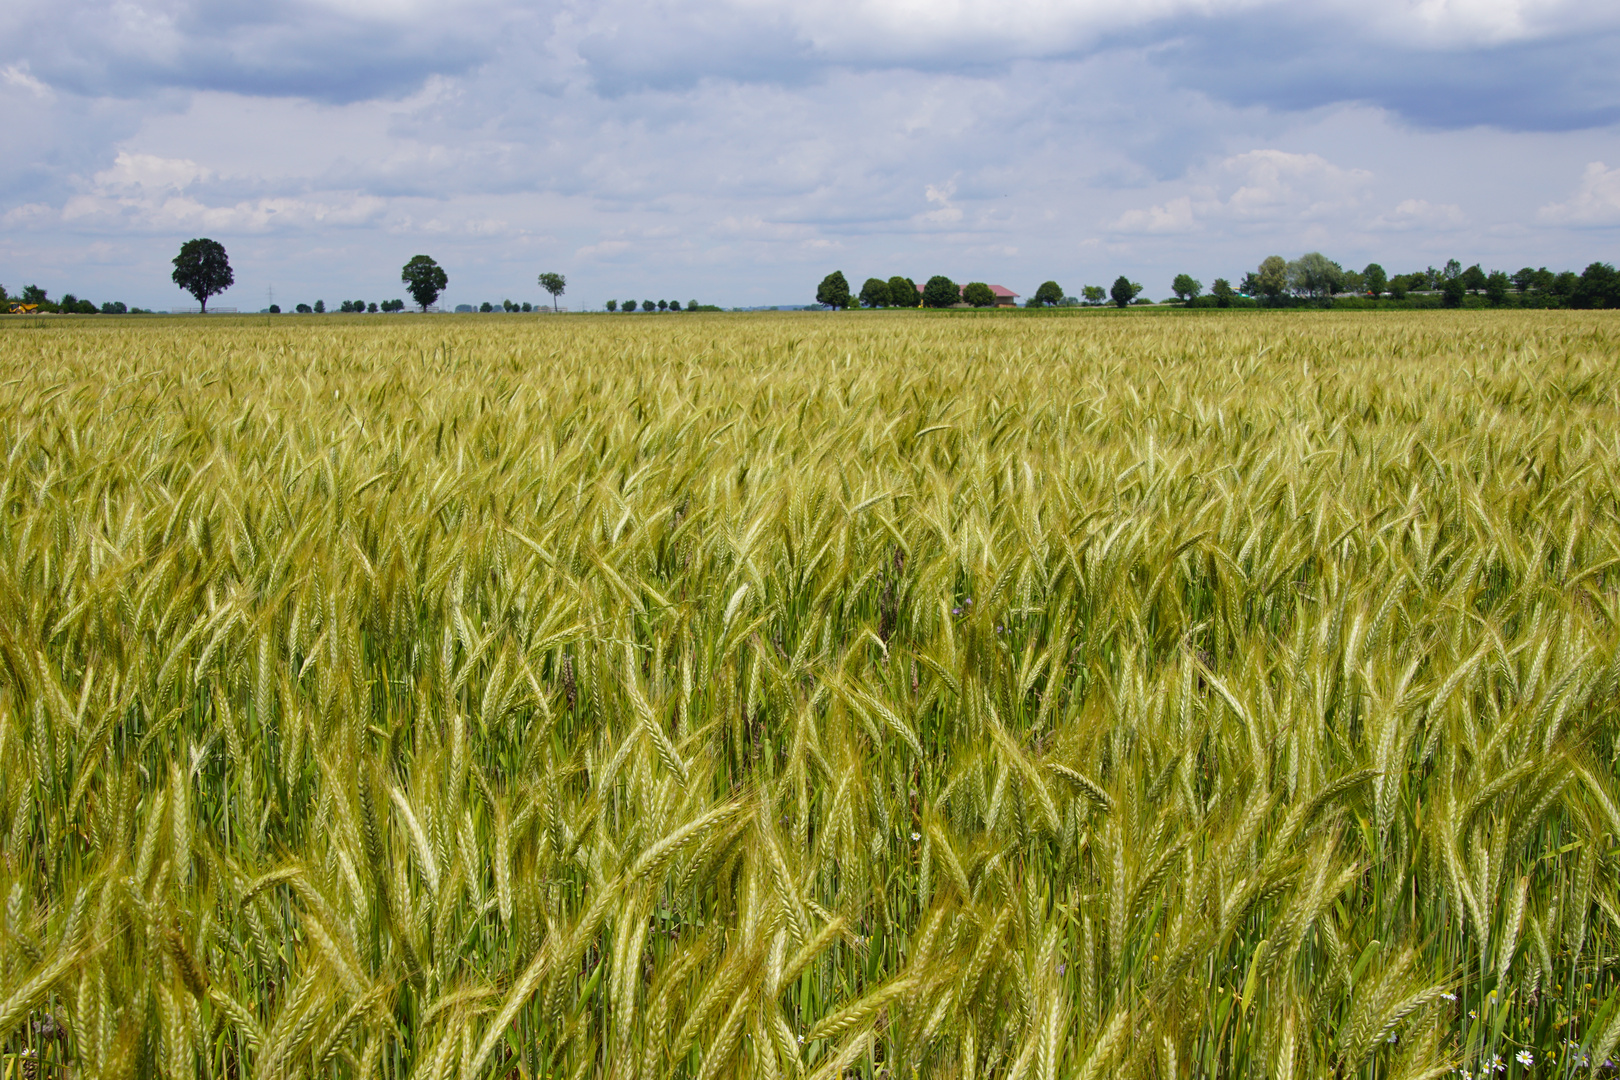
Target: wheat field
x: 877, y: 696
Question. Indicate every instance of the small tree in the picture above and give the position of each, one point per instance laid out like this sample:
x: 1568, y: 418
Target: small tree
x: 1186, y: 287
x: 833, y: 291
x: 1222, y: 292
x: 1473, y: 278
x: 424, y: 279
x: 202, y: 269
x: 302, y: 309
x: 320, y: 307
x: 1453, y: 291
x: 1049, y: 294
x: 978, y: 294
x: 674, y: 305
x: 1124, y: 290
x: 486, y: 307
x: 613, y: 305
x: 1094, y: 294
x: 691, y: 305
x: 1375, y: 279
x: 941, y: 292
x: 875, y: 293
x: 903, y: 292
x: 554, y: 284
x: 1314, y: 274
x: 663, y: 305
x: 1399, y: 285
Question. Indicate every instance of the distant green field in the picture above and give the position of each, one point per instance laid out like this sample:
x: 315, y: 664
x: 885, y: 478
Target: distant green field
x: 802, y: 695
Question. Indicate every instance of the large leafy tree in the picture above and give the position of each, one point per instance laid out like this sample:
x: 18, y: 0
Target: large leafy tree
x: 202, y: 269
x: 424, y: 279
x: 875, y: 293
x: 1186, y: 287
x: 1124, y: 290
x: 1314, y: 274
x: 978, y: 294
x: 553, y: 284
x: 833, y: 291
x: 902, y: 292
x: 1222, y: 292
x: 1048, y: 295
x: 1272, y: 277
x: 941, y: 292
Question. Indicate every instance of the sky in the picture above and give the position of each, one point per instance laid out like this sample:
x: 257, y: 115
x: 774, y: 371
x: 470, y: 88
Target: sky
x: 736, y: 151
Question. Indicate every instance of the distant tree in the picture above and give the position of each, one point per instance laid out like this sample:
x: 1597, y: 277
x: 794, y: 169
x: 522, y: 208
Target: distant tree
x: 371, y: 309
x: 941, y: 292
x: 554, y: 284
x: 1452, y: 271
x: 424, y: 279
x: 1376, y: 280
x: 1453, y: 291
x: 202, y: 269
x: 508, y: 306
x: 978, y: 294
x: 1222, y: 292
x: 33, y: 294
x: 1473, y: 278
x: 527, y: 307
x: 1123, y: 291
x: 275, y: 309
x: 628, y: 305
x: 1050, y: 294
x: 1565, y: 285
x: 320, y: 307
x: 674, y: 305
x: 875, y: 293
x: 649, y: 305
x: 1249, y: 284
x: 1272, y: 278
x: 1094, y: 294
x: 1314, y: 274
x: 486, y: 307
x: 1496, y: 288
x: 1398, y: 286
x: 1599, y: 287
x: 1186, y: 287
x: 348, y: 306
x: 691, y: 305
x: 1353, y: 282
x: 1523, y: 279
x: 302, y: 309
x: 833, y: 291
x: 663, y: 305
x: 903, y: 292
x: 68, y: 305
x: 613, y: 305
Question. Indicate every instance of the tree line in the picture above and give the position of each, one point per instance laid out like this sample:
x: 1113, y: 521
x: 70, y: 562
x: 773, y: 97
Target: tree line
x: 1314, y: 279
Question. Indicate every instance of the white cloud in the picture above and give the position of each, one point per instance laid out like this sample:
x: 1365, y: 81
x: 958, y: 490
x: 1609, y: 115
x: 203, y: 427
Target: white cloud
x: 1595, y: 202
x: 1258, y: 187
x: 17, y: 75
x: 150, y: 171
x: 1411, y: 214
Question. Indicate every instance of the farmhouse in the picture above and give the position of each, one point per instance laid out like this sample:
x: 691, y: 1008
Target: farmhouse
x: 1005, y: 297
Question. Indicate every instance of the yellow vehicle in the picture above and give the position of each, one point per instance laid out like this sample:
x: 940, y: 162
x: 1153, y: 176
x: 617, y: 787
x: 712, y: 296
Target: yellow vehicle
x: 24, y: 309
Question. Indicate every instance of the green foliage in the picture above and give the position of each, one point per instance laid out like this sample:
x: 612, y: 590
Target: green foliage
x: 1050, y: 294
x: 1315, y: 275
x: 202, y: 269
x: 424, y: 279
x: 1375, y: 280
x: 1271, y: 280
x: 555, y: 284
x: 1222, y: 292
x: 978, y: 294
x: 1124, y: 290
x: 833, y: 291
x: 941, y: 292
x: 1186, y: 287
x: 903, y: 293
x: 1191, y: 697
x: 875, y: 293
x: 1094, y: 294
